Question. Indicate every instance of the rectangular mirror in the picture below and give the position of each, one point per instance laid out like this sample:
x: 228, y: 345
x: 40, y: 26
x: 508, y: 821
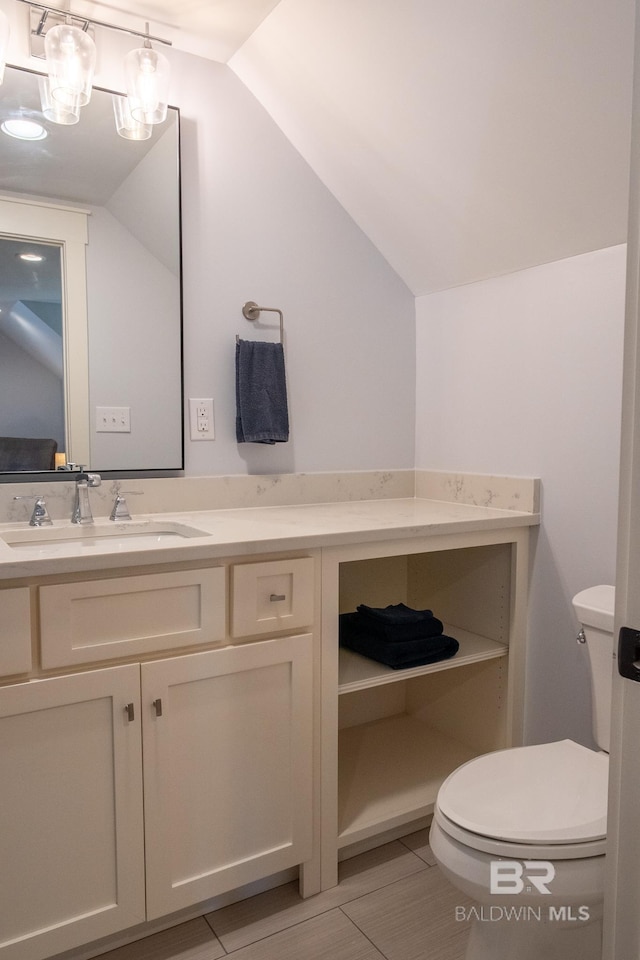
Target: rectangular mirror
x: 91, y: 320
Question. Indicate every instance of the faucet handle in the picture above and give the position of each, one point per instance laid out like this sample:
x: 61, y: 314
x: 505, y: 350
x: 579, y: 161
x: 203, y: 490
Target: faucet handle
x: 92, y: 479
x: 39, y: 516
x: 120, y: 510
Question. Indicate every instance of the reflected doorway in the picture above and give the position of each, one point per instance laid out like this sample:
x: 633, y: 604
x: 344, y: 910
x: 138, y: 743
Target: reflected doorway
x: 32, y: 389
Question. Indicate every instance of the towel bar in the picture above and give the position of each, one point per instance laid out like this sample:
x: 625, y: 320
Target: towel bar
x: 252, y: 311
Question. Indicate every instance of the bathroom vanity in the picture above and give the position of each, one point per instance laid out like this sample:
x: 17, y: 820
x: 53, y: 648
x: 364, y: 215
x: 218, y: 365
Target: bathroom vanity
x: 177, y: 720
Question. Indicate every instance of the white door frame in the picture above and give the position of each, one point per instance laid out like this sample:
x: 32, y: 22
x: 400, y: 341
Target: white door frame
x: 622, y: 896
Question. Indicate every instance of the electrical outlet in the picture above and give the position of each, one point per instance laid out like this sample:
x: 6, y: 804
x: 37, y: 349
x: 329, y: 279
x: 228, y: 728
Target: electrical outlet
x: 201, y: 418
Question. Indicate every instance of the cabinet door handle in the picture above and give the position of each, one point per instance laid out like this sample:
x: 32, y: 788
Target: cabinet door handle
x: 158, y: 707
x: 129, y: 712
x: 277, y: 596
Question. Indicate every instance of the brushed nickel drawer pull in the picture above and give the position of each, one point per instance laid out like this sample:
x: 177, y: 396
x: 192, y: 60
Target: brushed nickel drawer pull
x: 158, y: 707
x: 129, y: 712
x: 277, y: 596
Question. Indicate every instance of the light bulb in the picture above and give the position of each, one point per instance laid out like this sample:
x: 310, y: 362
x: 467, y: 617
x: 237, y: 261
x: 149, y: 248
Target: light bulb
x: 147, y: 76
x: 71, y: 57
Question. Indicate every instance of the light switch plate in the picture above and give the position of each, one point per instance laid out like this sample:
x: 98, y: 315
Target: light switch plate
x: 113, y: 419
x: 201, y: 418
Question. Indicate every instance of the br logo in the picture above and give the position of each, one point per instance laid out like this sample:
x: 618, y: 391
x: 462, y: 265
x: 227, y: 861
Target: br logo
x: 515, y: 876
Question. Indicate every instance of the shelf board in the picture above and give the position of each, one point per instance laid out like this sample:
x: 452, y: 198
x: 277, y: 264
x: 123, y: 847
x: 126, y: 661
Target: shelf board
x: 358, y: 673
x: 390, y: 772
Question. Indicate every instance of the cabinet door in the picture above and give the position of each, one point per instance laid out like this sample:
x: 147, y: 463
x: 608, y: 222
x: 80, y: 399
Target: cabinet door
x: 227, y: 768
x: 71, y: 836
x: 15, y: 631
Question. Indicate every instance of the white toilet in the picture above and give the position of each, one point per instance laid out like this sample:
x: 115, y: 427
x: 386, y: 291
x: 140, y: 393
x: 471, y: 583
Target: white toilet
x: 522, y: 831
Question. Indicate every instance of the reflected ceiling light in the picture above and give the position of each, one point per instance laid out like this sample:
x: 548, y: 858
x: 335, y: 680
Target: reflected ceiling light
x: 4, y: 42
x: 23, y: 129
x: 147, y: 79
x: 64, y: 40
x: 30, y: 257
x: 126, y: 126
x: 71, y: 60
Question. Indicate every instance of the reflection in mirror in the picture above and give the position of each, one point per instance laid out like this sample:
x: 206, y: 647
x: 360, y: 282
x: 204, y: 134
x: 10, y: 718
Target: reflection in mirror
x: 131, y: 311
x: 31, y: 358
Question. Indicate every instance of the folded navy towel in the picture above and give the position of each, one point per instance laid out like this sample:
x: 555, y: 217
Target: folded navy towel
x: 262, y: 415
x: 399, y: 622
x: 395, y: 613
x: 396, y: 654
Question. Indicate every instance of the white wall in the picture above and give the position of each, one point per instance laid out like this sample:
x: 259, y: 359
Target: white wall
x: 521, y: 375
x: 259, y: 225
x: 469, y: 139
x: 134, y: 343
x: 31, y: 398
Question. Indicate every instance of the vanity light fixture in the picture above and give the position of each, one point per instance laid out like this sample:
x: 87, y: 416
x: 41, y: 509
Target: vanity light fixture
x: 65, y: 41
x: 4, y: 42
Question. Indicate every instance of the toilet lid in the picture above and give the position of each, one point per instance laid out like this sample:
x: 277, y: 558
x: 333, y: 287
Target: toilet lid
x: 548, y: 793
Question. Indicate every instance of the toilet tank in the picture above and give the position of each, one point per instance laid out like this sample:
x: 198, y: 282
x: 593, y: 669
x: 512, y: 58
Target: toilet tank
x: 594, y: 609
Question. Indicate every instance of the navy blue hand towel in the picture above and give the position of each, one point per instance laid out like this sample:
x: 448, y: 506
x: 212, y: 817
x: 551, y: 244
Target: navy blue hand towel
x: 399, y: 622
x: 398, y: 654
x: 262, y: 415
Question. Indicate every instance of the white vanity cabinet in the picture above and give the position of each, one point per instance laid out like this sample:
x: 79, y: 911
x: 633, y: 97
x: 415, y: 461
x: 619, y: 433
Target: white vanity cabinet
x: 174, y: 730
x: 131, y: 791
x: 71, y: 837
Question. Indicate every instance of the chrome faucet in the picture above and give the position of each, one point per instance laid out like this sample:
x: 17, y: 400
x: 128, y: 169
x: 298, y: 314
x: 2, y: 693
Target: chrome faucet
x: 81, y: 506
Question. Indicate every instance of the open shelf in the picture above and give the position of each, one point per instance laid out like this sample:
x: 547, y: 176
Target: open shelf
x: 390, y: 771
x: 359, y: 673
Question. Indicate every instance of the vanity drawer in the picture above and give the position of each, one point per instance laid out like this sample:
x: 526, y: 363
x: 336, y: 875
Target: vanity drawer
x: 15, y: 631
x: 271, y: 597
x: 101, y: 619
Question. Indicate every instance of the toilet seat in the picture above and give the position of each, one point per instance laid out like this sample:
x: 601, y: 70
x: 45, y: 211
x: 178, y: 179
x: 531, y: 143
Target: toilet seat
x: 519, y: 851
x: 548, y: 800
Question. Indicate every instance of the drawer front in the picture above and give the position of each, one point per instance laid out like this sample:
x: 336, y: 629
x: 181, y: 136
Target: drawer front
x: 15, y: 631
x: 101, y: 619
x: 271, y: 597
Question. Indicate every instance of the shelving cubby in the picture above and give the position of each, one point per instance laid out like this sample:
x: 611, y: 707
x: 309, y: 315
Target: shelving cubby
x: 400, y: 733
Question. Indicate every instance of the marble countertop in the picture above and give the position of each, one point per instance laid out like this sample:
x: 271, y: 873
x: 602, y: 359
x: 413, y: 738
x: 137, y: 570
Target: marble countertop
x: 203, y: 535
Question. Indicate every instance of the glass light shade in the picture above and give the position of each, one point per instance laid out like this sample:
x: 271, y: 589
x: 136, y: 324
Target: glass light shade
x: 54, y: 110
x: 147, y: 78
x: 71, y: 59
x: 4, y: 42
x: 126, y: 126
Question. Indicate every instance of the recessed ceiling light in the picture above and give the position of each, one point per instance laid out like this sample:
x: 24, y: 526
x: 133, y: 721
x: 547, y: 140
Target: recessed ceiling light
x: 30, y: 257
x: 23, y: 129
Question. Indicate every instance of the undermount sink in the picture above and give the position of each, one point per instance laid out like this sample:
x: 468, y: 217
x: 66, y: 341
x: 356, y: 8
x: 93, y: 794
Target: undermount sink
x: 101, y: 535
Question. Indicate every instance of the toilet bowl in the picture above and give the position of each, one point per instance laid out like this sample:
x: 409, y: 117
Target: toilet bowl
x: 522, y: 831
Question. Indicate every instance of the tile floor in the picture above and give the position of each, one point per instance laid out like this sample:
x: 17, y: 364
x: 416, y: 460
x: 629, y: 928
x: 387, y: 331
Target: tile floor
x: 391, y: 903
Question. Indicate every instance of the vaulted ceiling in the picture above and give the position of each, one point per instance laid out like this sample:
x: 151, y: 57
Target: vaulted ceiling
x: 466, y: 139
